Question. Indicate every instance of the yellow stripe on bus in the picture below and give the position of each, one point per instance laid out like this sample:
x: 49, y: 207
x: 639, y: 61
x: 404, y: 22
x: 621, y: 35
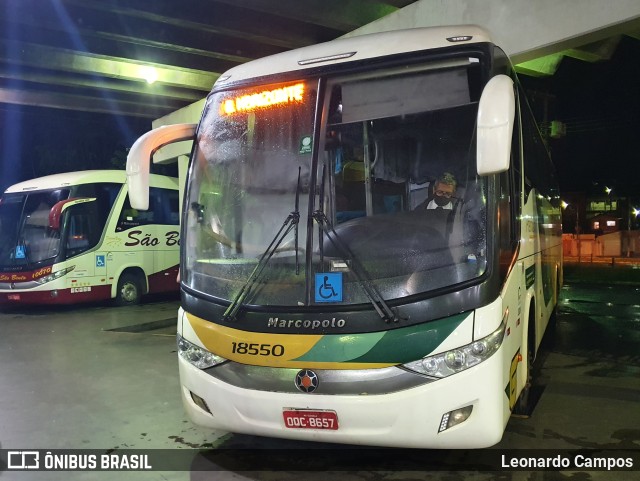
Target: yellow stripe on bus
x: 265, y: 349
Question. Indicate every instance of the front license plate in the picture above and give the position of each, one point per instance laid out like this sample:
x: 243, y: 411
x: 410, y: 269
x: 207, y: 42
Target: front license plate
x: 310, y: 419
x: 13, y: 297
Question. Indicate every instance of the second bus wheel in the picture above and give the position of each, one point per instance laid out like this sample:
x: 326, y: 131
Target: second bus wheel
x: 129, y: 290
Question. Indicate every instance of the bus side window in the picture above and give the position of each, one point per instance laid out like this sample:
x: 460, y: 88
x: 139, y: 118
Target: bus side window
x: 130, y: 217
x: 509, y: 195
x: 84, y: 229
x: 164, y: 209
x: 173, y: 201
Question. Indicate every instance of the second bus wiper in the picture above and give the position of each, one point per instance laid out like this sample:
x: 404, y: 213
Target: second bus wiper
x: 290, y: 223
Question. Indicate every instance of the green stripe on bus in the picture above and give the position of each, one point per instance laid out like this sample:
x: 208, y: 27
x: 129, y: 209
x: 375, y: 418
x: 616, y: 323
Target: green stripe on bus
x: 395, y: 346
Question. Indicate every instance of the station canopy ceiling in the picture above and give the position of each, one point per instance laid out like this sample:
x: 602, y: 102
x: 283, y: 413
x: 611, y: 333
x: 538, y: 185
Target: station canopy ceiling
x: 146, y: 58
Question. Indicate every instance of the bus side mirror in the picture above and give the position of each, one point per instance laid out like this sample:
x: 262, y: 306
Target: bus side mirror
x: 55, y: 214
x: 139, y: 159
x: 496, y: 115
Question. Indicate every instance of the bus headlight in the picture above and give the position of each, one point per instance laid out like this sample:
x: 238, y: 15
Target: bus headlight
x: 55, y: 275
x: 456, y: 360
x: 199, y: 357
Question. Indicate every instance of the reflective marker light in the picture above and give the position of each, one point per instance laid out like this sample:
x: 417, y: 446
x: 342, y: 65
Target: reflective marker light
x: 199, y: 357
x: 201, y: 403
x: 456, y: 360
x: 453, y: 418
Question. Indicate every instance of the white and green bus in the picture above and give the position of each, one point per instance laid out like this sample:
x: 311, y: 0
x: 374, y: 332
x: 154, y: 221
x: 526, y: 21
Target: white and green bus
x: 74, y: 237
x: 321, y: 298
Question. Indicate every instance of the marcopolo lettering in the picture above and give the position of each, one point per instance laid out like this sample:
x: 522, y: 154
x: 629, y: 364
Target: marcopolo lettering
x: 312, y: 324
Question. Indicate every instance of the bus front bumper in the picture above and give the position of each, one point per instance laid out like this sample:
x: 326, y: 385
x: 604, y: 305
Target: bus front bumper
x: 50, y: 296
x: 409, y: 418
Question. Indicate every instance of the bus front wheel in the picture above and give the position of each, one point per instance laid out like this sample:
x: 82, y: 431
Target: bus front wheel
x: 129, y: 290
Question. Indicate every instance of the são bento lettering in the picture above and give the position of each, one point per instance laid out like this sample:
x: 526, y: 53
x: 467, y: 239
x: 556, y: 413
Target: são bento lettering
x: 136, y: 238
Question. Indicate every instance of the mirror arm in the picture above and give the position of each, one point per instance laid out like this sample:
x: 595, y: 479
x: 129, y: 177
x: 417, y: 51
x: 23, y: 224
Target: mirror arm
x: 139, y: 159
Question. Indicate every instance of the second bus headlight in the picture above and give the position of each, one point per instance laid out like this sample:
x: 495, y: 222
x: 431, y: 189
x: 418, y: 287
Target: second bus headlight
x: 55, y: 275
x: 456, y: 360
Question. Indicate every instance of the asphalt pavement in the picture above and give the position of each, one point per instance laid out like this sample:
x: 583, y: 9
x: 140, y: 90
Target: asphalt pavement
x: 105, y: 378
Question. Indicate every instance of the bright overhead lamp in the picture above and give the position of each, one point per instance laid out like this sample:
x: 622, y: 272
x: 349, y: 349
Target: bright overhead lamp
x: 148, y: 73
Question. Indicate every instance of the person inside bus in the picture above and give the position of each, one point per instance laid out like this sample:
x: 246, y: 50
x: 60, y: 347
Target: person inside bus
x: 442, y: 195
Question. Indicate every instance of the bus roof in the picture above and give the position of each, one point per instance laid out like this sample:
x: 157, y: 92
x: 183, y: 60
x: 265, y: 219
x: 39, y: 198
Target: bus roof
x: 67, y: 179
x: 350, y: 49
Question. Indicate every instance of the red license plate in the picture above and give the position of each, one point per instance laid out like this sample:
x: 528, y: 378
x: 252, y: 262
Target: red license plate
x: 13, y: 297
x: 310, y: 419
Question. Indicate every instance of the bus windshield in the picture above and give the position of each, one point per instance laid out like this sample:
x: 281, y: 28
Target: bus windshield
x: 385, y: 187
x: 25, y: 235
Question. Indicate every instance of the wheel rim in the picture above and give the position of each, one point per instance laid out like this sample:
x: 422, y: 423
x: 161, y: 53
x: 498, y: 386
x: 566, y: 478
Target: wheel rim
x: 129, y: 292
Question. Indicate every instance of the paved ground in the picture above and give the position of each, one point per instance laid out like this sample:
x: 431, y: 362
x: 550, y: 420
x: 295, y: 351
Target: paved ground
x: 83, y: 377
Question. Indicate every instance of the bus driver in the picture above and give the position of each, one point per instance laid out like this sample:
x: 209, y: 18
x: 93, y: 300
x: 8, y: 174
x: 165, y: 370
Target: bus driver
x: 444, y: 190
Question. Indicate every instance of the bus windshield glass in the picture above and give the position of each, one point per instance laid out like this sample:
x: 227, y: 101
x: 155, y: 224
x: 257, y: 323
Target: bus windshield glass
x: 25, y: 235
x: 389, y: 197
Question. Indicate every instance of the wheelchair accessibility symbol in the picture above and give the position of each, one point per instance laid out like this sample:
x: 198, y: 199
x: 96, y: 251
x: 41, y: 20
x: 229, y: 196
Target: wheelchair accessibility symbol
x: 329, y: 287
x: 100, y: 261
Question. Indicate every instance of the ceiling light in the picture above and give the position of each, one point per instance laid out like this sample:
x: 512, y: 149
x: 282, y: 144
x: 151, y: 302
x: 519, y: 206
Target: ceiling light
x: 149, y: 74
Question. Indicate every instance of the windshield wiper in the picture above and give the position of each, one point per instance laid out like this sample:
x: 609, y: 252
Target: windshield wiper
x: 378, y: 302
x: 297, y: 213
x: 290, y: 223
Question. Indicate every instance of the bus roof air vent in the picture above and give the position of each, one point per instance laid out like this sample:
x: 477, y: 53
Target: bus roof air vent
x: 460, y: 38
x: 326, y: 58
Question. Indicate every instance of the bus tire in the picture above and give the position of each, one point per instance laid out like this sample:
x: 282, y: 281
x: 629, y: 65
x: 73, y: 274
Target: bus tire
x: 129, y: 290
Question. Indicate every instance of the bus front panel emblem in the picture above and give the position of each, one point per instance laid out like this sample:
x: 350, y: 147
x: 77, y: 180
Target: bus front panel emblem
x: 307, y: 381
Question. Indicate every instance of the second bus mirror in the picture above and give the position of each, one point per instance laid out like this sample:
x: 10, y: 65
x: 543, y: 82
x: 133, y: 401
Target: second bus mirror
x: 496, y: 114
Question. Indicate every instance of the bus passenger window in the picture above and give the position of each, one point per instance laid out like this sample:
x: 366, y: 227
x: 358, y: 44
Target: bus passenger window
x: 82, y: 233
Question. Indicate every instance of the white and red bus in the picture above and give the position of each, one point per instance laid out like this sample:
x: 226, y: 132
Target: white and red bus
x: 74, y: 237
x: 322, y: 298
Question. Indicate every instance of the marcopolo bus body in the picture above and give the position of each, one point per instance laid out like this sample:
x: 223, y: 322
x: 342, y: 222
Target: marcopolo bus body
x: 322, y: 299
x: 74, y: 237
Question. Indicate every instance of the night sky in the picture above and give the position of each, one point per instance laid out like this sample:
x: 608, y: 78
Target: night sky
x: 600, y: 103
x: 39, y: 141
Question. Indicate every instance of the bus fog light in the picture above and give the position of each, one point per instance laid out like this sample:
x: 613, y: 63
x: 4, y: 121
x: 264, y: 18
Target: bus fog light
x: 197, y: 356
x: 453, y: 418
x: 201, y: 403
x: 54, y: 293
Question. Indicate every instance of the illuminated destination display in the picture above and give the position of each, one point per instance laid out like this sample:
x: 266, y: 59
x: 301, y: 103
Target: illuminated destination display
x: 264, y: 99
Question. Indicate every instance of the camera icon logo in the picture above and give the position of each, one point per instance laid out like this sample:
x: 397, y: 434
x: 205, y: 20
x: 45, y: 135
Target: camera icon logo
x: 23, y: 460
